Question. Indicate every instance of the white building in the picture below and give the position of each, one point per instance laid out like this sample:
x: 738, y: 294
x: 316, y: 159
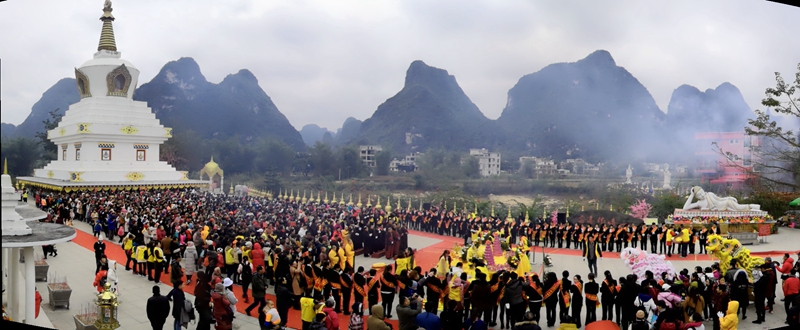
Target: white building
x: 107, y: 138
x: 541, y: 166
x: 407, y: 164
x: 488, y: 162
x: 368, y: 154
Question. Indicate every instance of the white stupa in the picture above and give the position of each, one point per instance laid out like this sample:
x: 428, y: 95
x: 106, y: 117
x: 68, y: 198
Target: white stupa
x: 108, y: 139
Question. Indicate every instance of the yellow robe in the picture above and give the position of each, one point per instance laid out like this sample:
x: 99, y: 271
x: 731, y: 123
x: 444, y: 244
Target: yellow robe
x: 333, y: 255
x: 348, y: 251
x: 342, y: 258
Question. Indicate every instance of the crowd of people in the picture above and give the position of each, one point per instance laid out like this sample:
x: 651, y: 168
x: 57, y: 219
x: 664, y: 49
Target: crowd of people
x: 307, y: 252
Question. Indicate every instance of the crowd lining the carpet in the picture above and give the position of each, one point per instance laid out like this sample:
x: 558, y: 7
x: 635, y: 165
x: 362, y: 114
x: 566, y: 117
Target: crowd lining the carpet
x: 307, y: 252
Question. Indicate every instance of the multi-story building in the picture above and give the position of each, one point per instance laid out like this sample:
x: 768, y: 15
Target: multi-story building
x: 488, y: 162
x: 368, y: 154
x: 714, y: 164
x: 541, y: 166
x: 407, y: 164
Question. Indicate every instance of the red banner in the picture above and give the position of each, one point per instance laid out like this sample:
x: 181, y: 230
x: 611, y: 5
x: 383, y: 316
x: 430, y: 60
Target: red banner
x: 764, y: 230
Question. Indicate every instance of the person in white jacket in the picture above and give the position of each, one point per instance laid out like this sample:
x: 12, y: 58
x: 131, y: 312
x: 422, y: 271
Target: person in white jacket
x: 112, y: 278
x: 229, y: 293
x: 645, y: 300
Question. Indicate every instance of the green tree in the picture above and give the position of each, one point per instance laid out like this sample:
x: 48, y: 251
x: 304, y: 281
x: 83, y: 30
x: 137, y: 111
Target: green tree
x: 49, y: 149
x: 382, y: 161
x: 322, y: 159
x: 665, y: 205
x: 274, y: 155
x: 23, y: 155
x: 349, y: 162
x: 471, y: 167
x: 777, y: 161
x: 272, y: 180
x: 528, y: 169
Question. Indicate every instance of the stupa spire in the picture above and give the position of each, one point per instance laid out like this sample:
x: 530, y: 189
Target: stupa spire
x: 107, y: 34
x: 5, y: 166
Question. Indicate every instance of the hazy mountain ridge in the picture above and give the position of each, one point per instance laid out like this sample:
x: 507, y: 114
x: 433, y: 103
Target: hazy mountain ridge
x: 312, y: 133
x: 590, y: 108
x: 430, y: 111
x: 182, y: 98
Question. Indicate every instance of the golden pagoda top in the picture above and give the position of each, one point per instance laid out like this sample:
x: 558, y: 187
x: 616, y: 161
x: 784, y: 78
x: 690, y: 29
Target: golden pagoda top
x: 107, y: 41
x: 211, y: 168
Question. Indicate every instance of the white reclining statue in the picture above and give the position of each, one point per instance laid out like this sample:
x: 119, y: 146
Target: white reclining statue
x: 710, y: 201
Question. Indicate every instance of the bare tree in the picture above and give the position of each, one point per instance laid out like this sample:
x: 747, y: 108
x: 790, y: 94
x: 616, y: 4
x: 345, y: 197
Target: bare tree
x: 777, y: 165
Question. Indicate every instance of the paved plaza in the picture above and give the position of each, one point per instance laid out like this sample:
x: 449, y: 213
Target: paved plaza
x: 76, y: 262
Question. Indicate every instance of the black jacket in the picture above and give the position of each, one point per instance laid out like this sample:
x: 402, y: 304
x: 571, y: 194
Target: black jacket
x: 157, y: 308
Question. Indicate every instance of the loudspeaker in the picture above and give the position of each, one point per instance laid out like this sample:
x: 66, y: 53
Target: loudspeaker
x: 426, y: 206
x: 562, y: 218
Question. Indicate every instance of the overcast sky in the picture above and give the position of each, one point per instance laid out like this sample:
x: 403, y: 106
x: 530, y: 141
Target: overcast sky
x: 322, y: 61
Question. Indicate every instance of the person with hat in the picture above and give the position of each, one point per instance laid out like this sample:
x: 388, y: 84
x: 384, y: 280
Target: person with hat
x: 223, y: 313
x: 640, y: 323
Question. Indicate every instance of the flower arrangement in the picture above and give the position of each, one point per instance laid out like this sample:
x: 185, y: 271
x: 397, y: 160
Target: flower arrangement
x: 718, y: 219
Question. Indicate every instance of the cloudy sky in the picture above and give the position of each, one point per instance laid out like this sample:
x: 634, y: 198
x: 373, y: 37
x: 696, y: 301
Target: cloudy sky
x: 322, y: 61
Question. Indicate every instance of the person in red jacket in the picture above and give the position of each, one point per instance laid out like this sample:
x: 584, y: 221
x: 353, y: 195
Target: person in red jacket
x: 787, y: 265
x: 99, y: 282
x: 38, y: 303
x: 791, y: 289
x: 257, y: 256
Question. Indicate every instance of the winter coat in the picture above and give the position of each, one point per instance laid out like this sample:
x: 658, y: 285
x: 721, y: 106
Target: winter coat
x: 257, y: 256
x: 647, y: 302
x: 406, y: 315
x: 331, y: 318
x: 669, y: 298
x: 730, y: 321
x: 190, y: 260
x: 526, y: 325
x: 157, y: 308
x: 375, y: 321
x: 223, y: 314
x: 513, y: 292
x: 259, y: 286
x: 787, y: 266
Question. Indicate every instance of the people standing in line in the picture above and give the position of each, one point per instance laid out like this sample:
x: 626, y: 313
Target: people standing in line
x: 157, y: 309
x: 141, y: 258
x: 577, y: 299
x: 592, y: 289
x: 158, y: 261
x: 608, y: 289
x: 176, y: 275
x: 551, y: 297
x: 564, y: 299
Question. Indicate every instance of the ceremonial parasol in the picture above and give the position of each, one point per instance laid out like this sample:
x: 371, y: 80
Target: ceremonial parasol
x: 795, y: 202
x: 602, y: 325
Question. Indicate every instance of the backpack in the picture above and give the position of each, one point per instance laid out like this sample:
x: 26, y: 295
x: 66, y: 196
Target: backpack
x: 640, y: 325
x: 640, y: 307
x: 670, y: 325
